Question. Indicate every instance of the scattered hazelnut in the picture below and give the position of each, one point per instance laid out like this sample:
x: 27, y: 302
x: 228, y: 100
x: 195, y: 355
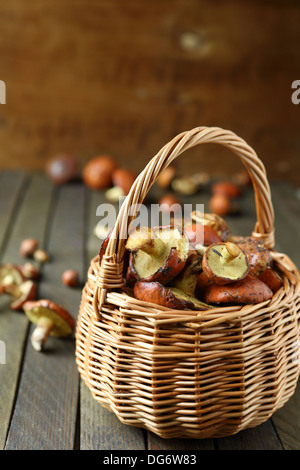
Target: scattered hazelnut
x: 28, y: 247
x: 62, y: 168
x: 220, y: 204
x: 41, y: 255
x: 226, y: 188
x: 70, y: 278
x: 170, y: 203
x: 97, y: 173
x: 123, y: 179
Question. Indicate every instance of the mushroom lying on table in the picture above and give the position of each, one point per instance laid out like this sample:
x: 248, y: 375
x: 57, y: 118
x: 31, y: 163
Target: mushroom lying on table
x: 10, y: 274
x: 21, y: 293
x: 50, y: 319
x: 157, y: 254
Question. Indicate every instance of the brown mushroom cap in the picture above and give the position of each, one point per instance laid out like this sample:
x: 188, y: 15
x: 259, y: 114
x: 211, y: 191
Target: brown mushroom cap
x: 170, y: 297
x: 214, y: 221
x: 50, y: 319
x: 224, y: 263
x: 250, y: 290
x: 270, y: 277
x: 22, y: 293
x: 161, y: 257
x: 202, y: 234
x: 259, y: 257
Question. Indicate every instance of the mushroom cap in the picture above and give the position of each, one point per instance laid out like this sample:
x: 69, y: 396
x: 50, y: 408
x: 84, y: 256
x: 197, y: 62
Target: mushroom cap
x: 250, y: 290
x: 170, y: 297
x: 165, y: 267
x: 202, y: 234
x: 22, y: 293
x: 259, y: 257
x: 221, y: 271
x: 215, y: 221
x: 10, y: 274
x: 64, y: 323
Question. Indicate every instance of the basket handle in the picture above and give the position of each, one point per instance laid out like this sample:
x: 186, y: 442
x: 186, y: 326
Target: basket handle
x: 111, y: 266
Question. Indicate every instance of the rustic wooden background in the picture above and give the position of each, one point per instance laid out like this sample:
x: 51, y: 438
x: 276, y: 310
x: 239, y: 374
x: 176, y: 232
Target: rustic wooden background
x: 124, y: 77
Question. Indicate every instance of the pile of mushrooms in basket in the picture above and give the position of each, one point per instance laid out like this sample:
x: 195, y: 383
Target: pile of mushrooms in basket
x: 198, y: 266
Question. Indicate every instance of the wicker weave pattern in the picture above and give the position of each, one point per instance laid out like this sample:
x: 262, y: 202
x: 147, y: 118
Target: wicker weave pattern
x: 181, y: 373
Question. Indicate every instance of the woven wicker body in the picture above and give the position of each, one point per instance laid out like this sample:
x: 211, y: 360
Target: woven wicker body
x: 184, y: 373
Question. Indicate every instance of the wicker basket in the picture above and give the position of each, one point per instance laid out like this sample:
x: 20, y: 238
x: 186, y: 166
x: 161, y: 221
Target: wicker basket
x: 184, y: 373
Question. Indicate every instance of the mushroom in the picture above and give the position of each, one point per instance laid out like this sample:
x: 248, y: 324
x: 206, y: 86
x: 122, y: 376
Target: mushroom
x: 21, y: 293
x: 272, y: 278
x: 186, y: 281
x: 259, y: 257
x: 224, y: 263
x: 214, y: 221
x: 249, y: 290
x: 41, y: 255
x: 203, y: 235
x: 185, y: 185
x: 10, y: 274
x: 97, y: 173
x: 170, y: 297
x: 157, y: 254
x: 50, y: 319
x: 30, y: 271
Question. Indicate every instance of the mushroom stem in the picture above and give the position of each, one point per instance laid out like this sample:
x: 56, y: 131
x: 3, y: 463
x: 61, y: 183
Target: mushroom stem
x: 41, y: 333
x: 229, y: 252
x: 146, y: 240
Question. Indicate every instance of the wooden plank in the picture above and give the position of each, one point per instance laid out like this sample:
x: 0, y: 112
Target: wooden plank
x: 30, y: 215
x: 46, y: 407
x: 99, y: 428
x: 262, y: 437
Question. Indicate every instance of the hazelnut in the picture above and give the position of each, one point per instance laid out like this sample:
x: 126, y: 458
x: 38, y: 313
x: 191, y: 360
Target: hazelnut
x: 226, y: 188
x: 28, y: 247
x: 123, y: 179
x: 70, y: 278
x: 169, y: 203
x: 220, y: 204
x: 41, y: 255
x: 62, y: 168
x: 97, y: 173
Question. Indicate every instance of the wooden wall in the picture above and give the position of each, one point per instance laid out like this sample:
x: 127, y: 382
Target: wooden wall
x: 125, y: 76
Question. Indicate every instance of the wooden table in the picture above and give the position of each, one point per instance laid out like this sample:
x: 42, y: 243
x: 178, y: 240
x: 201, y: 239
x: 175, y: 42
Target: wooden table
x: 43, y: 403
